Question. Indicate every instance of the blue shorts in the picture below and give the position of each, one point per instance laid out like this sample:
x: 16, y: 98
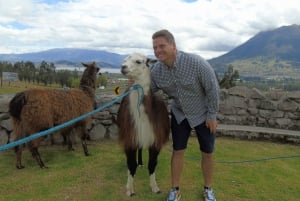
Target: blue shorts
x: 181, y: 133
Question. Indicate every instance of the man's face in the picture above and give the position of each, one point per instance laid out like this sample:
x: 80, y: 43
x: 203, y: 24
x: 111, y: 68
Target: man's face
x: 163, y: 50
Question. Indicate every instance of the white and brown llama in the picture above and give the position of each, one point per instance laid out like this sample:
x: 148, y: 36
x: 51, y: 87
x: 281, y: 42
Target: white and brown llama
x: 142, y: 123
x: 35, y: 110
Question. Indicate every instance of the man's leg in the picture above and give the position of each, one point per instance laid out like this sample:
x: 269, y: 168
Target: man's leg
x: 207, y: 164
x: 206, y: 141
x: 180, y: 136
x: 176, y: 167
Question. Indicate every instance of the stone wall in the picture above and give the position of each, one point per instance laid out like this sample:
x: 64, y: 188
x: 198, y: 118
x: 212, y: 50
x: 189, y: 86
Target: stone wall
x: 273, y: 109
x: 238, y: 106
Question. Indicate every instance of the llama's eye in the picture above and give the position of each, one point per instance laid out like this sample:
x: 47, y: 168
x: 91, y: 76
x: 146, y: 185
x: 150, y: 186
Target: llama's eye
x: 138, y: 61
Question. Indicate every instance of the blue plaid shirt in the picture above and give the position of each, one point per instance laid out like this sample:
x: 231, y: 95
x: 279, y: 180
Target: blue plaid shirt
x: 193, y: 86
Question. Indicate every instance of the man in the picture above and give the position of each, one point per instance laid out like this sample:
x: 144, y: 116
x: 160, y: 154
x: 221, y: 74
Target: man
x: 191, y: 82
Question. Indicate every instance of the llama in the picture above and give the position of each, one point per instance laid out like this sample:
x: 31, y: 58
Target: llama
x: 36, y: 110
x: 141, y: 125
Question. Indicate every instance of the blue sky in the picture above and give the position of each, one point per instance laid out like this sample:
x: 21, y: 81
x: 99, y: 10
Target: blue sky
x: 209, y: 28
x: 17, y: 25
x: 53, y: 1
x: 189, y: 1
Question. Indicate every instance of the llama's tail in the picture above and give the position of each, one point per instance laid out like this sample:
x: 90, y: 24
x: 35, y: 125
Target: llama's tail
x: 16, y: 104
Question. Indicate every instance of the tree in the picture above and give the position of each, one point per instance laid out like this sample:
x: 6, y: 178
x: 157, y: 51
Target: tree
x: 230, y: 77
x: 46, y: 73
x: 18, y: 67
x: 5, y: 66
x: 102, y: 80
x: 31, y: 71
x: 51, y: 73
x: 63, y: 77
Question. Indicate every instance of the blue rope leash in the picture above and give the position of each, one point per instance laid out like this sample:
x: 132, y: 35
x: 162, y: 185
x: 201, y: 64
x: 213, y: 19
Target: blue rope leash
x: 249, y: 160
x: 246, y: 161
x: 259, y: 160
x: 69, y: 123
x: 140, y: 99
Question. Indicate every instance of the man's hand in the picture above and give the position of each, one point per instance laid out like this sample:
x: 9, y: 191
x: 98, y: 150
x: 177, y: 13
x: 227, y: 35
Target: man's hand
x: 212, y: 125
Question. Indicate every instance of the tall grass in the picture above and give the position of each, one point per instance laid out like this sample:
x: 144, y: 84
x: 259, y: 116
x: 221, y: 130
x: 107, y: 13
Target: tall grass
x: 102, y: 176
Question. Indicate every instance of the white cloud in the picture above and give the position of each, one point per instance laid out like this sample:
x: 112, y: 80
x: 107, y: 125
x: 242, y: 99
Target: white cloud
x: 209, y: 28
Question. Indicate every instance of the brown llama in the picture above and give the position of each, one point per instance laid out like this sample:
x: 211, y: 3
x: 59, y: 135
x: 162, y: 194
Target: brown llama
x: 35, y: 110
x: 142, y: 123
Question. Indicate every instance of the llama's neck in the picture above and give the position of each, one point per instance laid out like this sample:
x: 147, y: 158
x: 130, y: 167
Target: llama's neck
x: 88, y: 85
x: 89, y: 91
x: 139, y: 108
x: 144, y: 81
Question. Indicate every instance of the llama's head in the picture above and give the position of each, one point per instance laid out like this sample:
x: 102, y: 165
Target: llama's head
x: 89, y: 76
x: 136, y: 66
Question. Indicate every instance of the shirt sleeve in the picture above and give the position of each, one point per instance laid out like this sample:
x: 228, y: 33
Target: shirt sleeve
x: 211, y: 88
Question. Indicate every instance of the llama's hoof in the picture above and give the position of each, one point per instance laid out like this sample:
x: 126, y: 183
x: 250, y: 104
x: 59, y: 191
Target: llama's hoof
x: 44, y: 167
x: 20, y: 167
x: 155, y: 190
x: 130, y: 194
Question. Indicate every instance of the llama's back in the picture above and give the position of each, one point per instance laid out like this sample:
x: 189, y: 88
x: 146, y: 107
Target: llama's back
x: 69, y: 104
x: 41, y: 109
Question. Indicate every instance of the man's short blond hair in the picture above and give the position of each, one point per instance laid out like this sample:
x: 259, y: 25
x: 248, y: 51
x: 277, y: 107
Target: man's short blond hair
x: 166, y: 34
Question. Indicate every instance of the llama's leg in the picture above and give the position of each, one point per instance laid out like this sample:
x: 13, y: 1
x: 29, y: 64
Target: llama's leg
x: 132, y: 165
x: 140, y: 157
x: 18, y: 151
x: 65, y: 139
x: 52, y: 140
x: 83, y: 140
x: 17, y: 133
x: 8, y: 136
x: 84, y: 146
x: 69, y: 142
x: 66, y: 134
x: 35, y: 153
x: 153, y: 154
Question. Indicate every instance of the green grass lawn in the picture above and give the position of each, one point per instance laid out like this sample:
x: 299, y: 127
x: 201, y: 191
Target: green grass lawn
x: 102, y: 176
x: 19, y: 86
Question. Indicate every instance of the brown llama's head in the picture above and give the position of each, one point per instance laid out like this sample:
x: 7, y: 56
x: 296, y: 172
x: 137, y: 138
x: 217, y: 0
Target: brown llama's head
x: 89, y: 76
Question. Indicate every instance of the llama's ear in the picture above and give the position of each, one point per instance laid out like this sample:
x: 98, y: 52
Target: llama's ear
x: 84, y: 64
x: 150, y: 62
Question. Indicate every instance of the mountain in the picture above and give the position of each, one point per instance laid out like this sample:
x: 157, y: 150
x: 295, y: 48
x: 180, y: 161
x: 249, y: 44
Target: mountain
x: 269, y: 53
x: 68, y: 56
x: 277, y: 51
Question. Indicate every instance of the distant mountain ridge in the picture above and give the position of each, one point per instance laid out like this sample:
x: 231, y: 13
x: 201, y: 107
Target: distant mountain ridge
x: 273, y: 52
x: 281, y: 46
x: 68, y: 56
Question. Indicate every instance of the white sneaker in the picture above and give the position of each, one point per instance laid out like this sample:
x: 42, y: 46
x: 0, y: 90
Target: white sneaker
x: 209, y: 195
x: 174, y: 195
